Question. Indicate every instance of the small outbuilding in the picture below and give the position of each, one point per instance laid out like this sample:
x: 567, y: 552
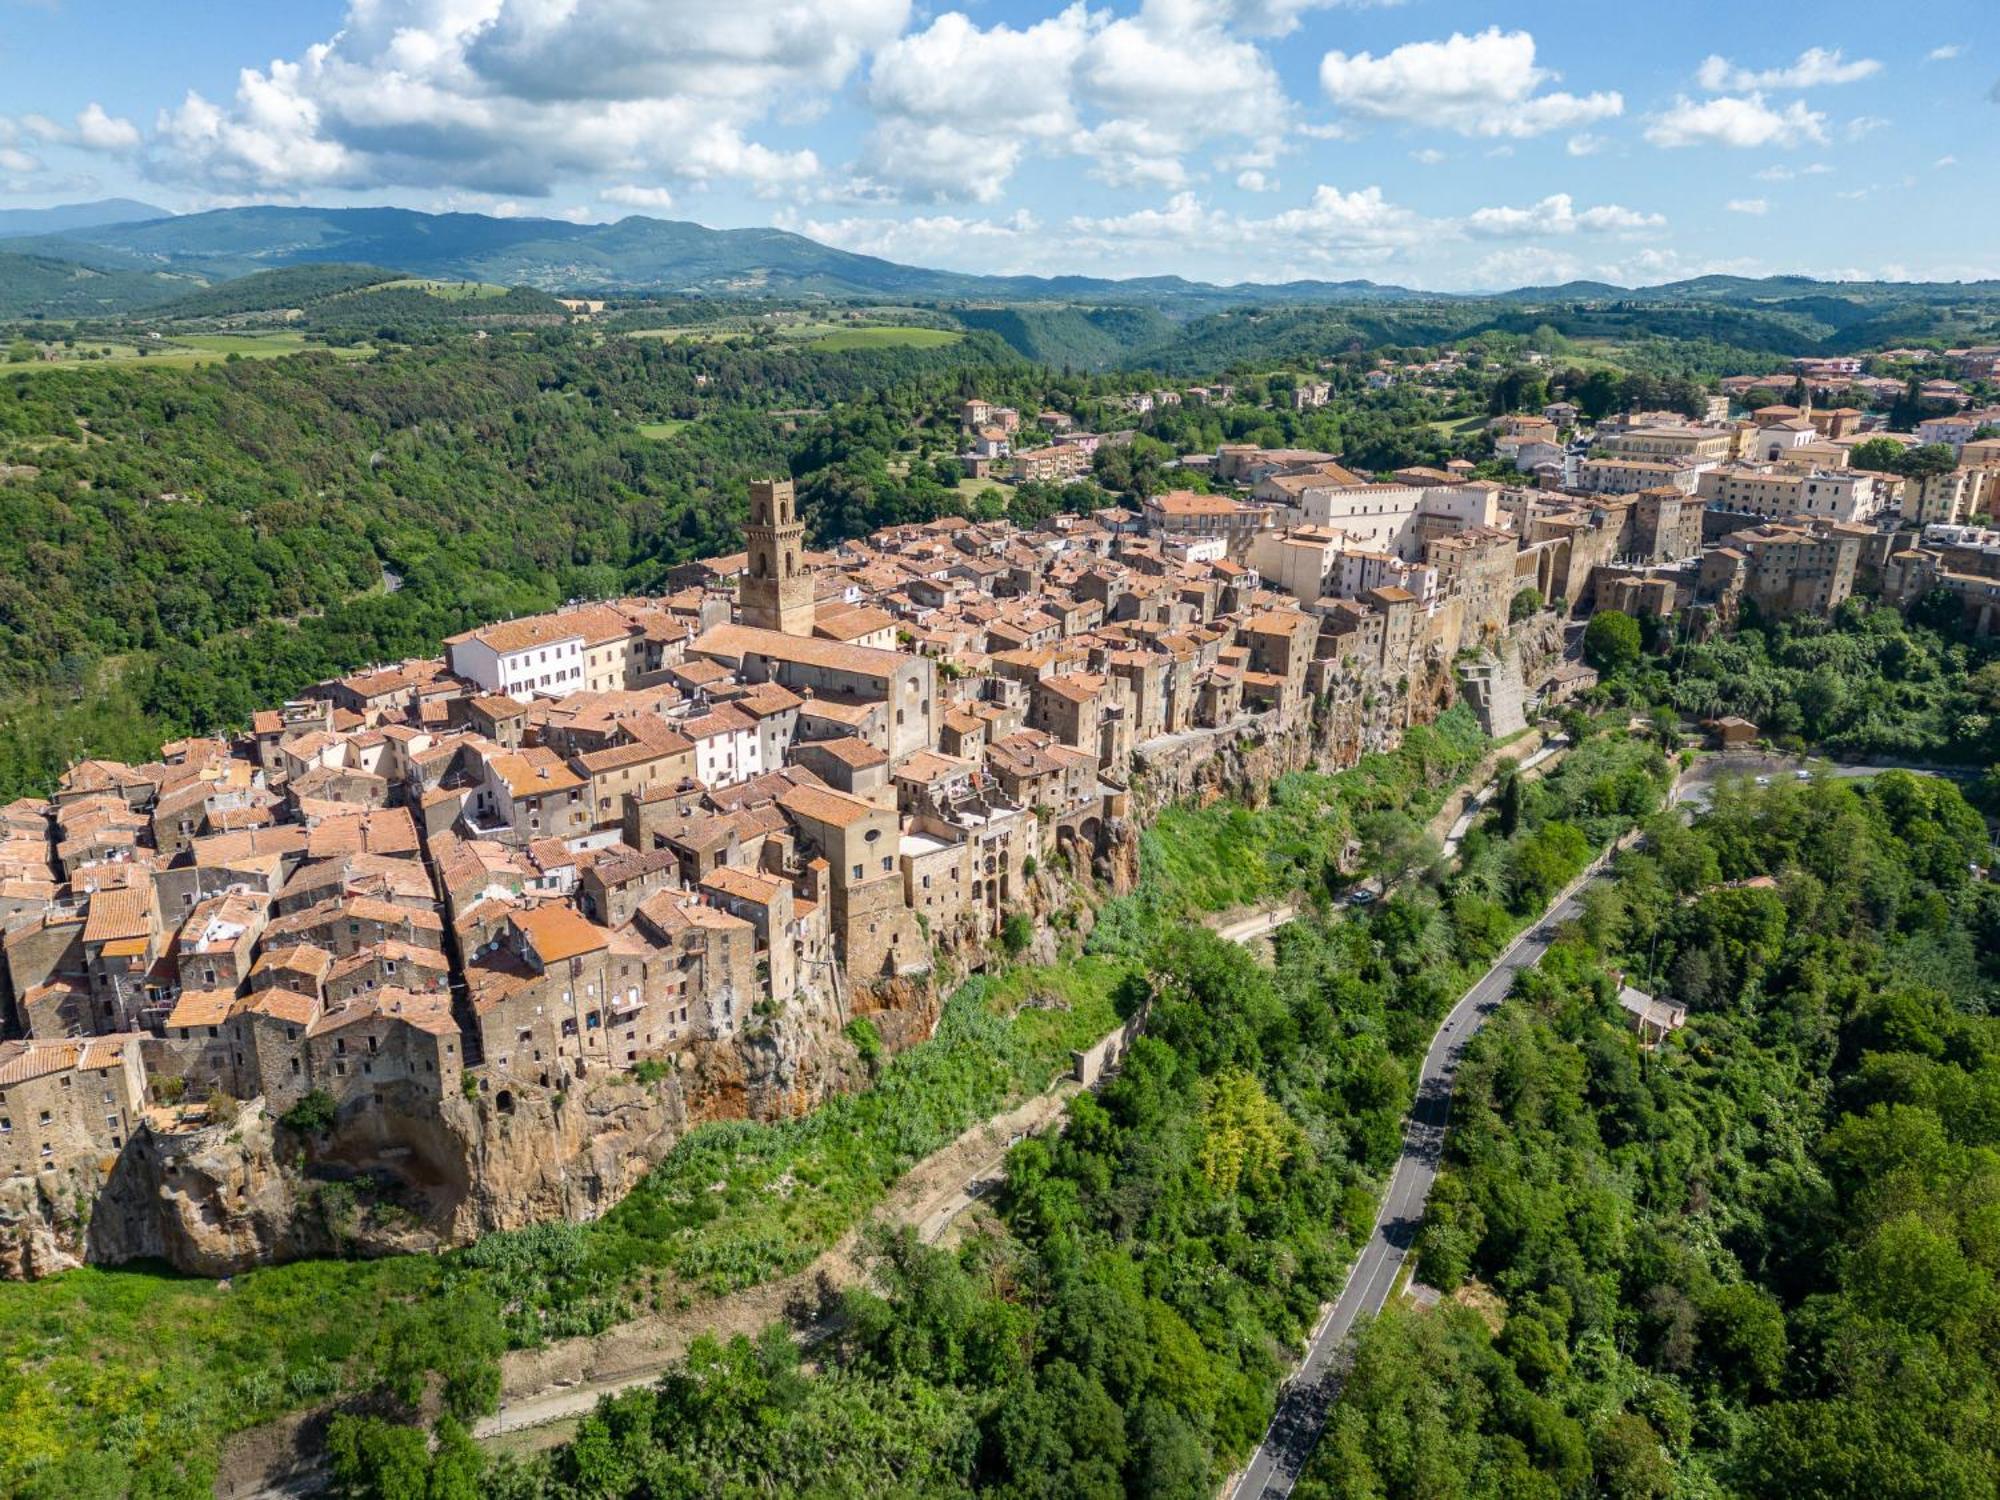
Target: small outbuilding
x: 1653, y: 1021
x: 1733, y: 733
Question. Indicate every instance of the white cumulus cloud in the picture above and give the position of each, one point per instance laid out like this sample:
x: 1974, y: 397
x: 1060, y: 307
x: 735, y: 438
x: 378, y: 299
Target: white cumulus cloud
x: 1558, y: 214
x: 959, y: 106
x: 1483, y: 85
x: 1745, y: 122
x: 1524, y: 265
x: 98, y: 131
x: 1812, y: 68
x: 631, y: 195
x: 1748, y: 205
x: 92, y: 130
x: 512, y: 96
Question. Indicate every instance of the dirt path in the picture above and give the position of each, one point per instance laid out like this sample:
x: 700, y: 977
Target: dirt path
x: 1480, y: 783
x: 564, y: 1380
x: 1248, y: 924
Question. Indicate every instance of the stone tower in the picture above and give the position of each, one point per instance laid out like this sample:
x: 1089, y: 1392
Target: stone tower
x: 777, y: 590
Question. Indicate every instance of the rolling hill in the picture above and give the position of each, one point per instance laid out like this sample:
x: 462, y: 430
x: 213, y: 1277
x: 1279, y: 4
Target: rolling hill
x: 635, y: 254
x: 266, y: 291
x: 43, y: 286
x: 639, y: 254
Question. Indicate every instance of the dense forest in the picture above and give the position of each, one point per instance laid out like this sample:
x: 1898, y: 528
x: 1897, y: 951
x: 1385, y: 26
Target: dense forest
x: 1868, y: 682
x: 190, y: 545
x: 1759, y: 1261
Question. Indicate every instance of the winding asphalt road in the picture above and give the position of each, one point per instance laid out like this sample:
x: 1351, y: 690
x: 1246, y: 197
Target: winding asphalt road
x: 1302, y: 1407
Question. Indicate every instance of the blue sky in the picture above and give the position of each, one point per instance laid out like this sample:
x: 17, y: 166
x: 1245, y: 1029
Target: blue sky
x: 1431, y: 142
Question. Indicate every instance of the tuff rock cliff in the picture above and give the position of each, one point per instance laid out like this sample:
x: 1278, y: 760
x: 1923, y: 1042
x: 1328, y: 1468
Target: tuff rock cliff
x: 230, y: 1193
x: 222, y: 1194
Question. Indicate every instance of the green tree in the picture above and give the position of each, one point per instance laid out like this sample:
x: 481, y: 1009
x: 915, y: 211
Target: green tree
x: 314, y: 1113
x: 1928, y: 461
x: 1881, y: 455
x: 1629, y: 1461
x: 1611, y: 641
x: 452, y: 1341
x: 376, y: 1460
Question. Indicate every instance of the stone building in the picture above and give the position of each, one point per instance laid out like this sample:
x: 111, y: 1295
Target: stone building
x: 68, y: 1105
x: 874, y: 932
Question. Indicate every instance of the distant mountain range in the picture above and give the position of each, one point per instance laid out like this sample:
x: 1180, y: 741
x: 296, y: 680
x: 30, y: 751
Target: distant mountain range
x: 633, y: 255
x: 69, y: 217
x: 667, y: 256
x: 119, y: 257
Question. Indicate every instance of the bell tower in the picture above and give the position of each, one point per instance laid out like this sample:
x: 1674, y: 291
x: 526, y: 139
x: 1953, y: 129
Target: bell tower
x: 777, y: 588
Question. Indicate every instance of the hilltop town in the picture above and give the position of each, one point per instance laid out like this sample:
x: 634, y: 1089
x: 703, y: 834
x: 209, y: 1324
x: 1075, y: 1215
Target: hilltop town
x: 673, y: 845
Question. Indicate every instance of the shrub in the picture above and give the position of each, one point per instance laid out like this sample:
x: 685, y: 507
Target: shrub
x: 867, y: 1042
x: 1016, y: 932
x: 311, y: 1115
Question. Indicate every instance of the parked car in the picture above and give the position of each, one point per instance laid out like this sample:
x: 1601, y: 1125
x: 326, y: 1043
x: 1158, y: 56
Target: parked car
x: 1763, y: 781
x: 1802, y: 776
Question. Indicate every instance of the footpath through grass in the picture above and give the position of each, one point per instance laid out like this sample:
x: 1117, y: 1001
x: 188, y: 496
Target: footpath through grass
x: 130, y: 1380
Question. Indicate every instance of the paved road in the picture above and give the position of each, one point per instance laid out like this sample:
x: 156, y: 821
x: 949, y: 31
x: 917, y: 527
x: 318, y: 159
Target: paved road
x: 1696, y: 789
x: 1274, y: 1468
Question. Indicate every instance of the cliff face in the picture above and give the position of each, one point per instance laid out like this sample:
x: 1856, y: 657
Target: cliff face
x: 42, y: 1225
x: 1359, y: 715
x: 412, y: 1175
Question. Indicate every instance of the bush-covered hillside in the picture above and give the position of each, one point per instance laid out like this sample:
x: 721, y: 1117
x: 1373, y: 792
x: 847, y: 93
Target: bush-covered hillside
x: 1759, y: 1262
x: 190, y: 545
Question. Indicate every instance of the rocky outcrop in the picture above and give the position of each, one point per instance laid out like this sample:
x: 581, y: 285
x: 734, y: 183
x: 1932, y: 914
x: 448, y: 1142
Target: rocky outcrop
x: 220, y: 1195
x: 39, y: 1233
x: 1538, y: 643
x: 1358, y: 714
x: 1117, y: 864
x: 566, y: 1155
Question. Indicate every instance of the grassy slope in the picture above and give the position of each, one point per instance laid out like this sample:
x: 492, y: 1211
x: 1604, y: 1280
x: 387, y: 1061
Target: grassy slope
x: 183, y: 351
x: 883, y: 336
